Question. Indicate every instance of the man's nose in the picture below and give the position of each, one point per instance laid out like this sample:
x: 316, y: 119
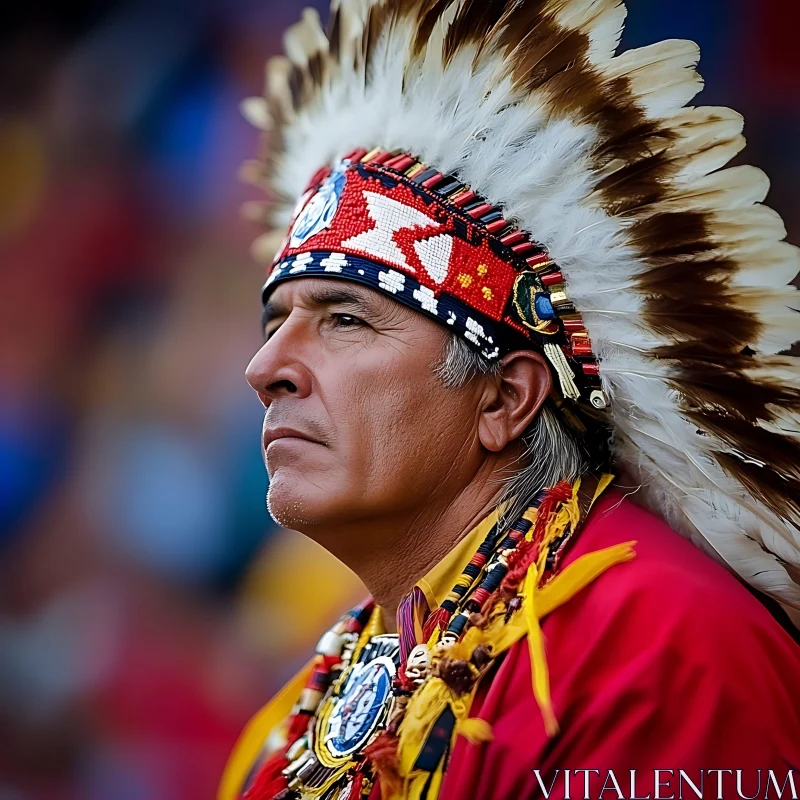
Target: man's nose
x: 277, y: 369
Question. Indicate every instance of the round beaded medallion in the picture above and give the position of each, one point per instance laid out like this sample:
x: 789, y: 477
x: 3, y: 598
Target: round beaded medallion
x: 352, y: 717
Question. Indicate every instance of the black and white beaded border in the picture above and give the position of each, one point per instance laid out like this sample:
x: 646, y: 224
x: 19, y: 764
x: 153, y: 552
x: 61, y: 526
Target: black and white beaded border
x: 476, y: 329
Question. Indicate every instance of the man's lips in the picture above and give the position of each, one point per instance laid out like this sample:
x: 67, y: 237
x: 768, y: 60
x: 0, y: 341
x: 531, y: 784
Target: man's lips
x: 275, y: 434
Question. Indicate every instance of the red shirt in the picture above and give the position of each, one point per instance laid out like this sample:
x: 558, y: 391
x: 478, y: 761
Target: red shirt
x: 663, y: 663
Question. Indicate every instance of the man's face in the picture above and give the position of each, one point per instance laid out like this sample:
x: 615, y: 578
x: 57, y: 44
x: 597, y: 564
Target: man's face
x: 349, y: 371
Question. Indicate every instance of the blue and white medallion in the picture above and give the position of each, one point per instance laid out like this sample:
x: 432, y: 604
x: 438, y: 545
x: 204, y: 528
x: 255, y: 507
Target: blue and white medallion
x: 362, y: 704
x: 320, y: 210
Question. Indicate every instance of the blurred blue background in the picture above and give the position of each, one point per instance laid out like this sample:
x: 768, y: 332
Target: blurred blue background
x: 147, y: 603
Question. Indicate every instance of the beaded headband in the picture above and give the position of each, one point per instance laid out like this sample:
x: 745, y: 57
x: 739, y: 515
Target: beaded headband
x: 388, y: 221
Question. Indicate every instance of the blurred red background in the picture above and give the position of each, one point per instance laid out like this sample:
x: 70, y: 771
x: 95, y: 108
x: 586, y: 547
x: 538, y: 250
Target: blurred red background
x: 148, y: 605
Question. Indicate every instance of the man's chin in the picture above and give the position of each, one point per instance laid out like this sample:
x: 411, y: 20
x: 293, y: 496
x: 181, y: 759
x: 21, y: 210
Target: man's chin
x: 293, y: 503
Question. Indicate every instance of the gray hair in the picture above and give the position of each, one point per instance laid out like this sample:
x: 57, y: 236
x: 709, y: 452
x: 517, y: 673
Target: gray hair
x: 550, y: 452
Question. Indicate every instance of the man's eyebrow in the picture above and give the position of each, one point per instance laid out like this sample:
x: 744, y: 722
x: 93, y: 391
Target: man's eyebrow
x: 322, y: 296
x: 331, y: 295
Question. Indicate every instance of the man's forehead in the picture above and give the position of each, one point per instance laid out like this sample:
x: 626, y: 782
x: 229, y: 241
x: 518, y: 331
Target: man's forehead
x: 322, y: 291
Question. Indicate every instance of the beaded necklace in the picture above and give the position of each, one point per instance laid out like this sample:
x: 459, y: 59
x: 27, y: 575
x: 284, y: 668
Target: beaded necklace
x: 315, y: 771
x: 387, y: 707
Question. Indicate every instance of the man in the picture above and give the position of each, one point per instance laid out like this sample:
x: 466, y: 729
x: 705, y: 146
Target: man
x: 516, y: 264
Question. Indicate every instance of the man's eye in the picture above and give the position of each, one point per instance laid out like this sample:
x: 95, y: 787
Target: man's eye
x: 347, y: 321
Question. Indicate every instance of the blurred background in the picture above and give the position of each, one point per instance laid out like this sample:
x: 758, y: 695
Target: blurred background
x: 148, y: 604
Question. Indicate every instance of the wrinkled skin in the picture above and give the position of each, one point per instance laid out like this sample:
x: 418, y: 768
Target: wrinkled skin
x: 394, y: 448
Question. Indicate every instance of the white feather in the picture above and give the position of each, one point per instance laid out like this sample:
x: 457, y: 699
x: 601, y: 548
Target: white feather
x: 254, y: 110
x: 601, y: 20
x: 661, y: 76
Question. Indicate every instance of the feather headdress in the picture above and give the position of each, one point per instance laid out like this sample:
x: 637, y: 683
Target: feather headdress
x: 588, y: 171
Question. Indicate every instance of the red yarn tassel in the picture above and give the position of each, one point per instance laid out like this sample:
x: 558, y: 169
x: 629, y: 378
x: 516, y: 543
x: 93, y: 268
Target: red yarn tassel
x: 355, y: 787
x: 559, y: 494
x: 382, y: 754
x: 298, y: 725
x: 524, y: 555
x: 440, y: 617
x: 270, y: 780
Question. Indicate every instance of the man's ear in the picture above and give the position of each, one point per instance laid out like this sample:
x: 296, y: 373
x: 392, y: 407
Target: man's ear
x: 513, y: 398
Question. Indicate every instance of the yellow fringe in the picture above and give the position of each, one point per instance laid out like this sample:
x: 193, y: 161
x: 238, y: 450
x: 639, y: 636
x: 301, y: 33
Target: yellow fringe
x: 579, y: 574
x: 575, y: 577
x: 540, y: 676
x: 568, y: 515
x: 475, y: 730
x: 248, y: 746
x: 602, y: 485
x: 428, y: 703
x: 530, y: 515
x: 424, y: 785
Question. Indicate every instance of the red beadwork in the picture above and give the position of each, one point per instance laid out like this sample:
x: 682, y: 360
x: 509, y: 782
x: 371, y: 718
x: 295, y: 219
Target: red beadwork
x: 480, y: 597
x: 512, y: 238
x: 330, y: 662
x: 410, y: 233
x: 318, y: 177
x: 463, y: 198
x: 480, y: 210
x: 405, y: 232
x: 401, y: 162
x: 590, y: 368
x: 574, y: 325
x: 538, y: 260
x: 581, y: 346
x: 298, y: 726
x: 497, y: 225
x: 357, y: 154
x: 552, y: 278
x: 433, y: 180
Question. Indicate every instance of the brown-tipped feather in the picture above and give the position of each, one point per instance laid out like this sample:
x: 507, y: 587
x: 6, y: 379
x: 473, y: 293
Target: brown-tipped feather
x: 471, y: 23
x: 718, y: 327
x: 721, y: 383
x: 781, y: 495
